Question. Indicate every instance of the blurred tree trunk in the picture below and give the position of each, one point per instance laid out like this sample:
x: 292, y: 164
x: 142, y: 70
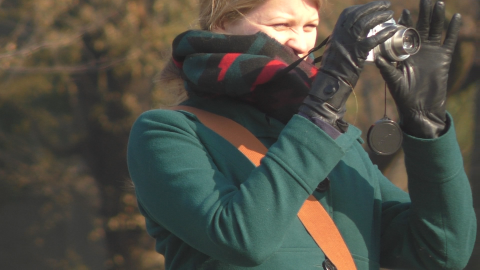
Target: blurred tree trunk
x: 104, y: 152
x: 102, y: 110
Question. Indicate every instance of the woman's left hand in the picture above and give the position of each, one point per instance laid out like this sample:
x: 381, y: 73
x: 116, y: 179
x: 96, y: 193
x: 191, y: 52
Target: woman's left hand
x: 419, y: 84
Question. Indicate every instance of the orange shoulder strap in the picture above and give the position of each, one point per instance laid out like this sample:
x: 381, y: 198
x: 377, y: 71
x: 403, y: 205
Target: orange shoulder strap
x: 314, y: 217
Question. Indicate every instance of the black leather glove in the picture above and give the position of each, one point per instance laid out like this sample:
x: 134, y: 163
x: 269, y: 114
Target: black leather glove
x: 419, y: 84
x: 343, y: 60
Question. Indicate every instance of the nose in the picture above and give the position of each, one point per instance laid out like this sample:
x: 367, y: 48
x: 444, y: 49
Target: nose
x: 298, y: 42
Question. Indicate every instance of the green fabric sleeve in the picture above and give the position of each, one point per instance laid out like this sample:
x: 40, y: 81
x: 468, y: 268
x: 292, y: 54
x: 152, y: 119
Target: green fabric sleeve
x: 179, y: 186
x: 437, y: 230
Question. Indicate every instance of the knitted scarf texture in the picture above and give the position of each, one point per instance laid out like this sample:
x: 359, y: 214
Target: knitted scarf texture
x: 250, y: 68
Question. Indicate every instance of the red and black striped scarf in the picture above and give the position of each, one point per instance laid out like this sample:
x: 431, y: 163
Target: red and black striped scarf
x: 252, y: 68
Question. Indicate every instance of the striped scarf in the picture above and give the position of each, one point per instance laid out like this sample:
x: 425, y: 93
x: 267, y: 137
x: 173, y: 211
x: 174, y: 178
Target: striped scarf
x: 253, y: 68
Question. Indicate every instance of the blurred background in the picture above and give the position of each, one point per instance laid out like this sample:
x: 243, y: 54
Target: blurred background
x: 75, y: 74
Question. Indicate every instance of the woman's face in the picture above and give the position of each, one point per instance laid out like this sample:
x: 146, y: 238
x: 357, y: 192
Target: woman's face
x: 291, y: 22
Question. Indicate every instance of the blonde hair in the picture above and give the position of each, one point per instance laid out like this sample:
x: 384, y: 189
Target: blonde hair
x: 212, y: 14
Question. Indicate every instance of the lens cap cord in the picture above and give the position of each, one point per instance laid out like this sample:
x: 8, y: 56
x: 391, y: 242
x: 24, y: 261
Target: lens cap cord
x: 385, y: 136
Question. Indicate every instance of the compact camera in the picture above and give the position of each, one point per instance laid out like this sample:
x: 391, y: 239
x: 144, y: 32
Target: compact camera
x: 405, y: 42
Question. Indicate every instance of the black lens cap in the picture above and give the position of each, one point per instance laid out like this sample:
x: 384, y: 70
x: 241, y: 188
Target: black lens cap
x: 385, y: 137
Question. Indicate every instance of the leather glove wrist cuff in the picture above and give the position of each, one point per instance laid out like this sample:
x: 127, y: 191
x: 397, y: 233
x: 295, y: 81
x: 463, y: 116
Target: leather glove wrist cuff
x: 316, y: 109
x: 331, y: 90
x: 421, y: 126
x: 326, y: 101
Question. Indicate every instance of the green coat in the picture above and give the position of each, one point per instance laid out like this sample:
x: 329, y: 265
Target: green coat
x: 209, y: 207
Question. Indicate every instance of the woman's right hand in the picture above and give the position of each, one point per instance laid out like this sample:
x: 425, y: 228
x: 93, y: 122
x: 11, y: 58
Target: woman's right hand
x: 343, y: 60
x: 348, y: 45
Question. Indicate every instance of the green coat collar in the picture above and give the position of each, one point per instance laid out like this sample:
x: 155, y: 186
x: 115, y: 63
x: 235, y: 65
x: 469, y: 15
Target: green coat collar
x: 261, y: 125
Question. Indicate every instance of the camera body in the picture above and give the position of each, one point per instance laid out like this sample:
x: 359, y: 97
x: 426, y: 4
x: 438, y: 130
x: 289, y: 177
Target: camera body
x: 405, y: 42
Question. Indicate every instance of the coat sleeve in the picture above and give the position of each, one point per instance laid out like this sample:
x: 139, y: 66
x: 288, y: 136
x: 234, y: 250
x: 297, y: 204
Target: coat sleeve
x: 437, y: 229
x: 179, y: 186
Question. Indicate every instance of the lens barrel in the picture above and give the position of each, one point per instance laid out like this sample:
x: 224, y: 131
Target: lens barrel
x: 405, y: 42
x: 411, y: 41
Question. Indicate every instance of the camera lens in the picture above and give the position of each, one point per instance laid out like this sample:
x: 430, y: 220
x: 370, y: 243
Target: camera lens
x: 408, y: 42
x: 405, y: 42
x: 411, y: 41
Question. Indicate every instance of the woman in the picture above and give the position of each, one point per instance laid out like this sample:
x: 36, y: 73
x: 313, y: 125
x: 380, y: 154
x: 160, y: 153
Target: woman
x: 207, y: 205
